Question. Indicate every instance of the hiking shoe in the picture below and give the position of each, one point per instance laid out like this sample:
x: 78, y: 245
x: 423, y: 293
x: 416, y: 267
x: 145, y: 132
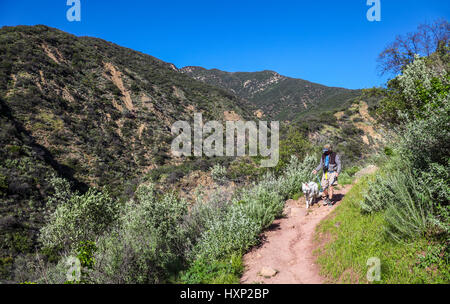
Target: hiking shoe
x: 327, y: 202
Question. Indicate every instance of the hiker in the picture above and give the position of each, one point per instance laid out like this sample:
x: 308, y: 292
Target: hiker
x: 330, y: 163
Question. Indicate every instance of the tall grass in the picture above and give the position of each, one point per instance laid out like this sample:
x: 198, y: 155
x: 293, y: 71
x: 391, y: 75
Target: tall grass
x: 350, y: 237
x: 409, y: 214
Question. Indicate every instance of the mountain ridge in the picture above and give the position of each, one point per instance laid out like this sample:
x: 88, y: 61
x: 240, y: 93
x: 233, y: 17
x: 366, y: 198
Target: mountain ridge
x: 89, y: 111
x: 278, y: 96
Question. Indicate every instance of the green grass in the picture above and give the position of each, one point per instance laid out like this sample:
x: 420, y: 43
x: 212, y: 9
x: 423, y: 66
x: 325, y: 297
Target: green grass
x: 347, y: 176
x: 351, y: 238
x: 227, y: 271
x: 296, y: 196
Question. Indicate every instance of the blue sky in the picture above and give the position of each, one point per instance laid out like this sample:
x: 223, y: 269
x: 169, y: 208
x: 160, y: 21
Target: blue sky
x: 329, y: 42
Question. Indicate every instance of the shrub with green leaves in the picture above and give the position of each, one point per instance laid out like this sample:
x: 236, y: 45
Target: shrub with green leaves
x: 408, y: 207
x: 62, y: 192
x: 147, y: 243
x: 293, y: 142
x: 79, y: 217
x: 86, y: 252
x: 218, y: 173
x: 201, y: 214
x: 261, y: 205
x: 425, y: 143
x: 408, y: 213
x: 3, y: 184
x: 378, y: 193
x: 414, y: 186
x: 296, y: 173
x: 226, y: 271
x: 424, y: 82
x: 236, y: 232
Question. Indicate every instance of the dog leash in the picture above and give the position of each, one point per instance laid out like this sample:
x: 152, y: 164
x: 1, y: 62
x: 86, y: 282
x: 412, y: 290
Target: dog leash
x: 320, y: 184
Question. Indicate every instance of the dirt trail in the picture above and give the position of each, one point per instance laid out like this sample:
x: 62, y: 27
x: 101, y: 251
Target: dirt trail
x: 288, y: 246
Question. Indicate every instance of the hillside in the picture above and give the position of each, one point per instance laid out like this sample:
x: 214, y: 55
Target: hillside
x: 99, y: 115
x: 86, y: 110
x: 352, y: 128
x: 278, y: 97
x: 86, y: 171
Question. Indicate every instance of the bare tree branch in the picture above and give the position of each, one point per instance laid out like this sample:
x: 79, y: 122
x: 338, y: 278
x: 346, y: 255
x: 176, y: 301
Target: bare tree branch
x: 426, y: 40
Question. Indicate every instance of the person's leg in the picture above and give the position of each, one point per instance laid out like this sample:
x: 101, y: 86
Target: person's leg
x: 325, y: 185
x: 331, y: 188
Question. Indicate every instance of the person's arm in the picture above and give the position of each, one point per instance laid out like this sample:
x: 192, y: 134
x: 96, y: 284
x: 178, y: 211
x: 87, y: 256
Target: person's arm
x: 338, y: 163
x: 319, y: 167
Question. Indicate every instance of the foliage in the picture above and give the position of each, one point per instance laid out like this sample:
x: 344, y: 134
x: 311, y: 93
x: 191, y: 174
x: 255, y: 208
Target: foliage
x: 244, y: 169
x: 261, y: 205
x: 354, y: 237
x: 230, y: 229
x: 215, y: 208
x: 411, y: 192
x: 438, y: 254
x: 146, y: 244
x: 234, y: 233
x: 377, y: 194
x: 61, y: 114
x: 296, y: 173
x: 296, y: 196
x: 294, y: 143
x: 218, y: 173
x: 422, y: 85
x: 86, y: 252
x: 416, y: 176
x: 226, y: 271
x: 261, y: 90
x: 409, y: 210
x: 428, y: 39
x: 79, y: 218
x: 347, y: 175
x: 6, y: 264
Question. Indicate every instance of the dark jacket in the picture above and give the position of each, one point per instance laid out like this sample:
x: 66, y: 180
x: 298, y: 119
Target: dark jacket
x: 332, y: 166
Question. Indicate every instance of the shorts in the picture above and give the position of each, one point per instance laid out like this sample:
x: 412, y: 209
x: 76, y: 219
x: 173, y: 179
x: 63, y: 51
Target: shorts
x: 328, y: 180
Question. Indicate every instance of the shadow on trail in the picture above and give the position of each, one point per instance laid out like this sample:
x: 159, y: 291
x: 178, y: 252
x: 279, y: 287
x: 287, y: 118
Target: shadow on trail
x: 338, y: 197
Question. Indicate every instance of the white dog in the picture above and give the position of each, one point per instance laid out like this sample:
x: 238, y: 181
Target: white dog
x: 311, y: 191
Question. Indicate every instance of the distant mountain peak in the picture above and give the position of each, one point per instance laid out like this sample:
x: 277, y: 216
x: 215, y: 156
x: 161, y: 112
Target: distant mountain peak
x: 276, y: 95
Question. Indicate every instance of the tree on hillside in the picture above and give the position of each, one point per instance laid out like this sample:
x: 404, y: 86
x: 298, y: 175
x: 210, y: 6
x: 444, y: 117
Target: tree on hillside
x: 428, y: 39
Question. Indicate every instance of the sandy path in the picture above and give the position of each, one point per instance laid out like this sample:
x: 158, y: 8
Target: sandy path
x: 288, y: 245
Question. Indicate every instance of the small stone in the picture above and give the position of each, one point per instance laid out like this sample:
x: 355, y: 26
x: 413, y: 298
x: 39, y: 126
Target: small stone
x: 267, y: 272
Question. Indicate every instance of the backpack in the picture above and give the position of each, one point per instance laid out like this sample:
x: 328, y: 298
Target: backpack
x: 332, y: 160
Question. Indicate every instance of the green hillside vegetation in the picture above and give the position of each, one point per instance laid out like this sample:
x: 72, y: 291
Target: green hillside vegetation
x: 355, y: 238
x: 309, y: 110
x: 88, y: 111
x: 279, y: 97
x: 351, y: 128
x: 401, y: 214
x: 153, y: 238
